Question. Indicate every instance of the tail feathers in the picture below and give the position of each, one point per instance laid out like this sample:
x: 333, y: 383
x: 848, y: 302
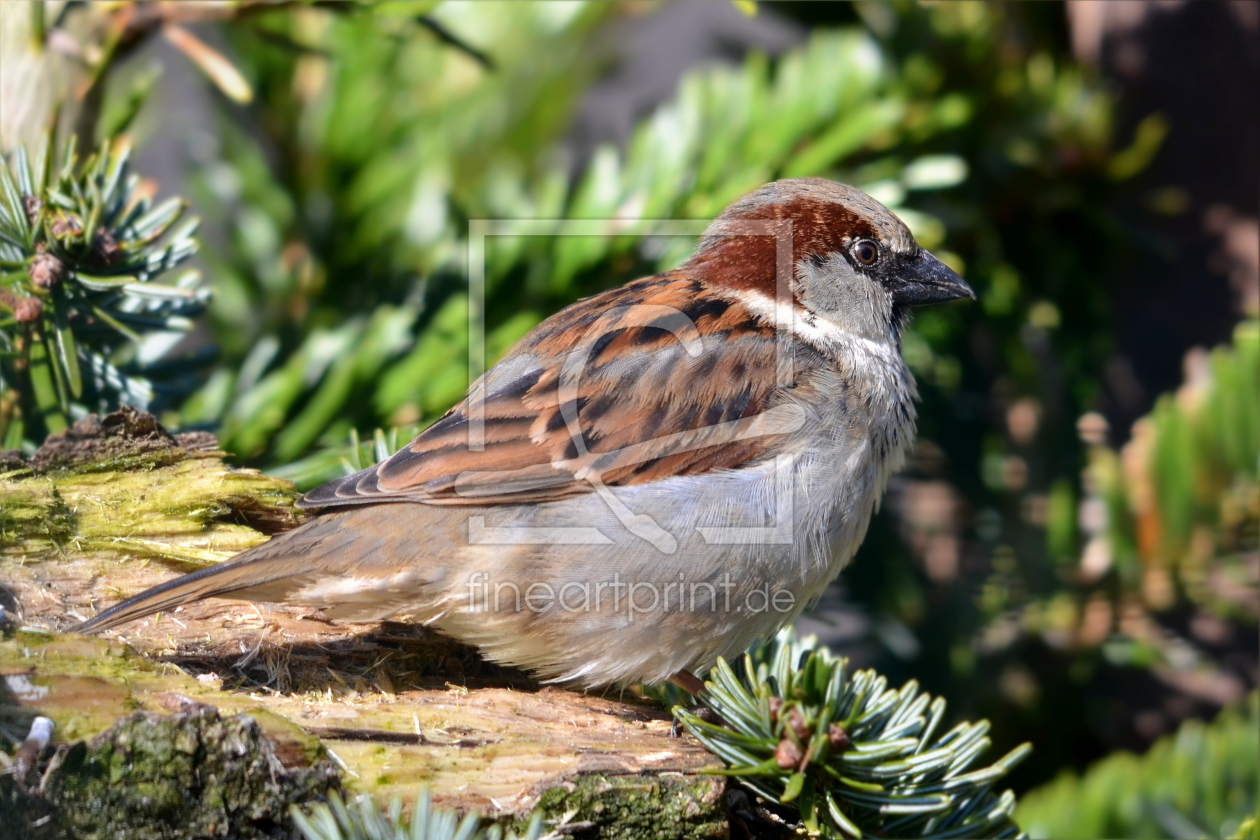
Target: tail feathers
x: 206, y: 583
x: 267, y: 572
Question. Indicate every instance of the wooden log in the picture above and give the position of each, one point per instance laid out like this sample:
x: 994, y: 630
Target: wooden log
x: 116, y: 505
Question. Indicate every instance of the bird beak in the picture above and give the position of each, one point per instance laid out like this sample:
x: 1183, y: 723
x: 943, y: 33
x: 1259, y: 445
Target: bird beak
x: 928, y: 280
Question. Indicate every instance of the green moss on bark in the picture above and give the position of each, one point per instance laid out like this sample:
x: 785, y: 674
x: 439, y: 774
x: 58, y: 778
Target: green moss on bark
x: 123, y: 485
x: 189, y: 776
x: 626, y: 807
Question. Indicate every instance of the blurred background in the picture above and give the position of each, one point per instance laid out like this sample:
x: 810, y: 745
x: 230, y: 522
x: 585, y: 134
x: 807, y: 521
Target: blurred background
x: 1072, y: 552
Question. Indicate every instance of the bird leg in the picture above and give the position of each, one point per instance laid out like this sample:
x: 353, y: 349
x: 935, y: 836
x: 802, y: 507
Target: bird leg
x: 688, y: 682
x: 693, y: 685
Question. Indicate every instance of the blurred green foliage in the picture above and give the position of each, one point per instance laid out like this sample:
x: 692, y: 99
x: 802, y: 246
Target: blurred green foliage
x: 353, y: 248
x: 1183, y: 496
x: 1200, y: 782
x: 1159, y: 591
x: 375, y: 219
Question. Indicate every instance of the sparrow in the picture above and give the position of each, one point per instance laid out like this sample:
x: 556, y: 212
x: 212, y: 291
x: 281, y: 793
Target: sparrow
x: 654, y: 477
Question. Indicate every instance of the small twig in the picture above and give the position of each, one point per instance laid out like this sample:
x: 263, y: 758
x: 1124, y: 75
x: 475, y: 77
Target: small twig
x: 451, y: 39
x: 337, y: 760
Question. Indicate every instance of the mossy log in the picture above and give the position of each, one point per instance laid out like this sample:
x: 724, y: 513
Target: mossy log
x: 116, y: 505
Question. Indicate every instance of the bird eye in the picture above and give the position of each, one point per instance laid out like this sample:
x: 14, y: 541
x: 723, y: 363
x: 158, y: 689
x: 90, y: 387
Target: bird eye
x: 866, y: 252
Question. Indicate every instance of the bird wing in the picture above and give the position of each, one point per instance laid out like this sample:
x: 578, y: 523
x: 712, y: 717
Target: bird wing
x: 654, y: 379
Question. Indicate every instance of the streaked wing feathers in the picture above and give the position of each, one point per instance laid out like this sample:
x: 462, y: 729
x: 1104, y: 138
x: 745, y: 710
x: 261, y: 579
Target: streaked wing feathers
x: 654, y: 379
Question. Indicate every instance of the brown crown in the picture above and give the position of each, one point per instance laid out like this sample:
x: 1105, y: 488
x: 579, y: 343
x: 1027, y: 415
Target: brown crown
x: 822, y: 218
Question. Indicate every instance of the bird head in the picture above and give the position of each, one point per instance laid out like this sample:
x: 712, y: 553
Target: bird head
x: 830, y: 251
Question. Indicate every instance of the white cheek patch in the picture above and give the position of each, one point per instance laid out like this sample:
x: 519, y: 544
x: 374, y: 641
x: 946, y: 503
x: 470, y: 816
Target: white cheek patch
x: 791, y: 317
x: 817, y: 329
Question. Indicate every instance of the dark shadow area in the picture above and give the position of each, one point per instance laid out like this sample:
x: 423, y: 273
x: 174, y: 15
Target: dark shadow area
x: 1198, y: 65
x: 390, y: 658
